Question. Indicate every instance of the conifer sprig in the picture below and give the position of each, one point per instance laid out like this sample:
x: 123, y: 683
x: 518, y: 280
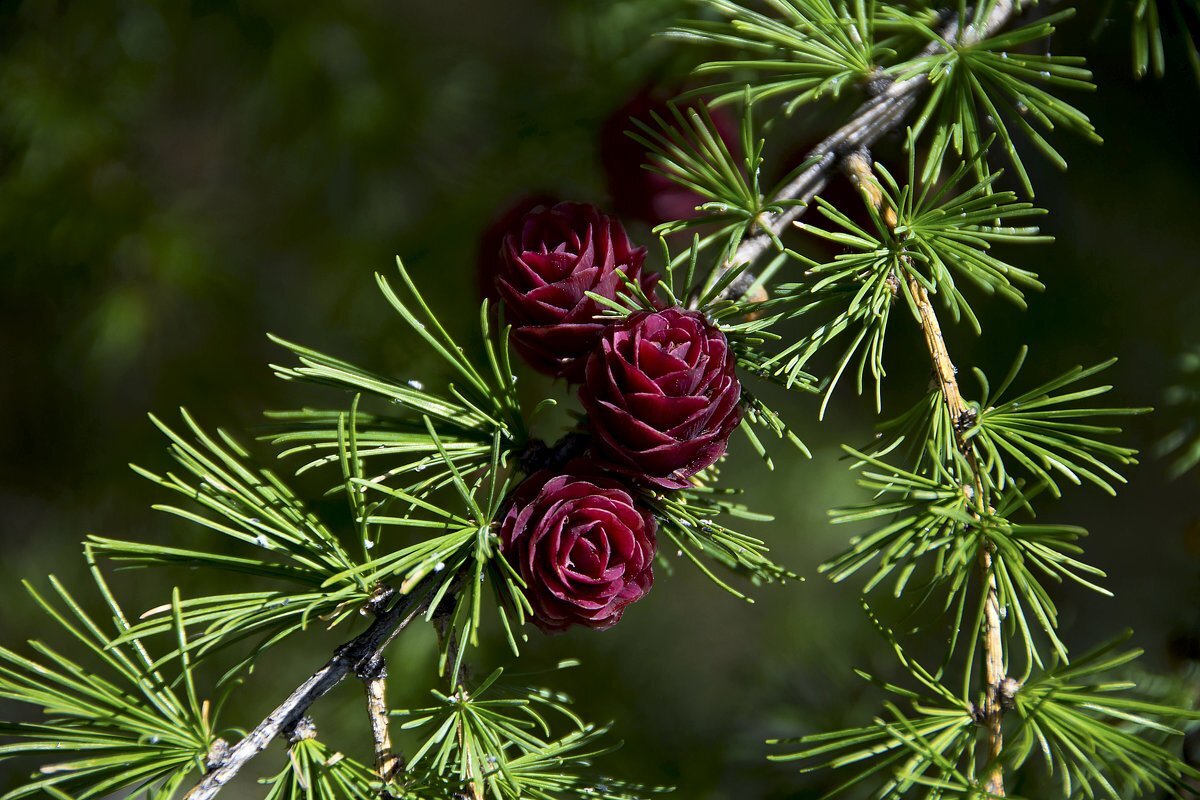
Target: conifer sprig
x: 1084, y: 724
x: 1089, y: 728
x: 314, y: 772
x: 688, y: 521
x: 444, y: 433
x: 924, y: 748
x: 995, y: 82
x: 279, y: 539
x: 688, y: 149
x: 812, y: 49
x: 508, y: 745
x: 1027, y: 443
x: 112, y: 721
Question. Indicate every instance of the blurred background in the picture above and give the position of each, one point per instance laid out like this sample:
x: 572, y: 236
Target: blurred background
x: 177, y: 179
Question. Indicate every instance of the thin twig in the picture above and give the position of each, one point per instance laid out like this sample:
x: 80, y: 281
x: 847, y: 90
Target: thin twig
x: 994, y: 678
x: 348, y: 659
x: 388, y: 763
x: 961, y: 417
x: 858, y: 167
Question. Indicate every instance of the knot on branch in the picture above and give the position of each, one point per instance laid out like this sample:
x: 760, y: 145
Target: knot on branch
x: 966, y: 418
x: 538, y: 455
x: 1001, y: 698
x: 303, y: 729
x: 345, y: 652
x: 878, y: 83
x: 1007, y: 691
x: 372, y: 668
x: 380, y: 597
x: 218, y: 752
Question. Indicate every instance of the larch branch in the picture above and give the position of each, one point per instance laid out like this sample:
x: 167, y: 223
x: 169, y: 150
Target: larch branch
x: 351, y: 658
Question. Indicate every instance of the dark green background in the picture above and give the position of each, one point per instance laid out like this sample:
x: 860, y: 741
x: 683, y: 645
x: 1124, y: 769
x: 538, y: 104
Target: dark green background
x: 178, y: 178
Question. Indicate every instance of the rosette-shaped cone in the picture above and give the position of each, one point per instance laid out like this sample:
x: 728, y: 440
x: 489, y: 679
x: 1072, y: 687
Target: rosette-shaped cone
x: 582, y: 544
x: 549, y: 264
x: 639, y: 193
x: 662, y: 396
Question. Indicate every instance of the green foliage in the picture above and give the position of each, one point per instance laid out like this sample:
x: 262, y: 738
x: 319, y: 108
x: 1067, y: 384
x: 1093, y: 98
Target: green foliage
x: 687, y: 519
x: 1183, y: 398
x: 812, y: 49
x: 934, y: 516
x: 942, y: 229
x: 1035, y: 439
x: 464, y: 420
x: 464, y: 553
x: 688, y: 150
x: 1080, y: 721
x: 933, y: 528
x: 925, y: 750
x: 1146, y: 32
x: 507, y: 746
x: 314, y: 772
x: 432, y: 538
x: 996, y: 82
x: 1044, y: 432
x: 253, y: 507
x: 1085, y: 727
x: 921, y: 517
x: 113, y: 722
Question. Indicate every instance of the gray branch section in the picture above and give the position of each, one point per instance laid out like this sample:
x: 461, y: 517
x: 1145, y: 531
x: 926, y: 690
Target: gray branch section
x: 346, y: 660
x: 874, y: 118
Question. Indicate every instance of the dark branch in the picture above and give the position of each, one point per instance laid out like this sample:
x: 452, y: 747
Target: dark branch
x: 350, y: 658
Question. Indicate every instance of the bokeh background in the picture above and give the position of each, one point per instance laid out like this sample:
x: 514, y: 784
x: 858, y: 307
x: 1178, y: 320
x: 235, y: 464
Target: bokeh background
x: 178, y: 178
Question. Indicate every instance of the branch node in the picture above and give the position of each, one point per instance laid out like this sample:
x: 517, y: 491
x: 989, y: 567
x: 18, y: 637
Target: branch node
x: 373, y: 668
x: 1007, y: 691
x: 303, y: 729
x: 878, y: 83
x: 538, y: 455
x: 218, y: 752
x: 966, y: 418
x: 380, y: 598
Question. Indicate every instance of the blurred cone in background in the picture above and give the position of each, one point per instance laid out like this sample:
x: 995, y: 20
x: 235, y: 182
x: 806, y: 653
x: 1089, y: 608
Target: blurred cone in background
x: 638, y: 193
